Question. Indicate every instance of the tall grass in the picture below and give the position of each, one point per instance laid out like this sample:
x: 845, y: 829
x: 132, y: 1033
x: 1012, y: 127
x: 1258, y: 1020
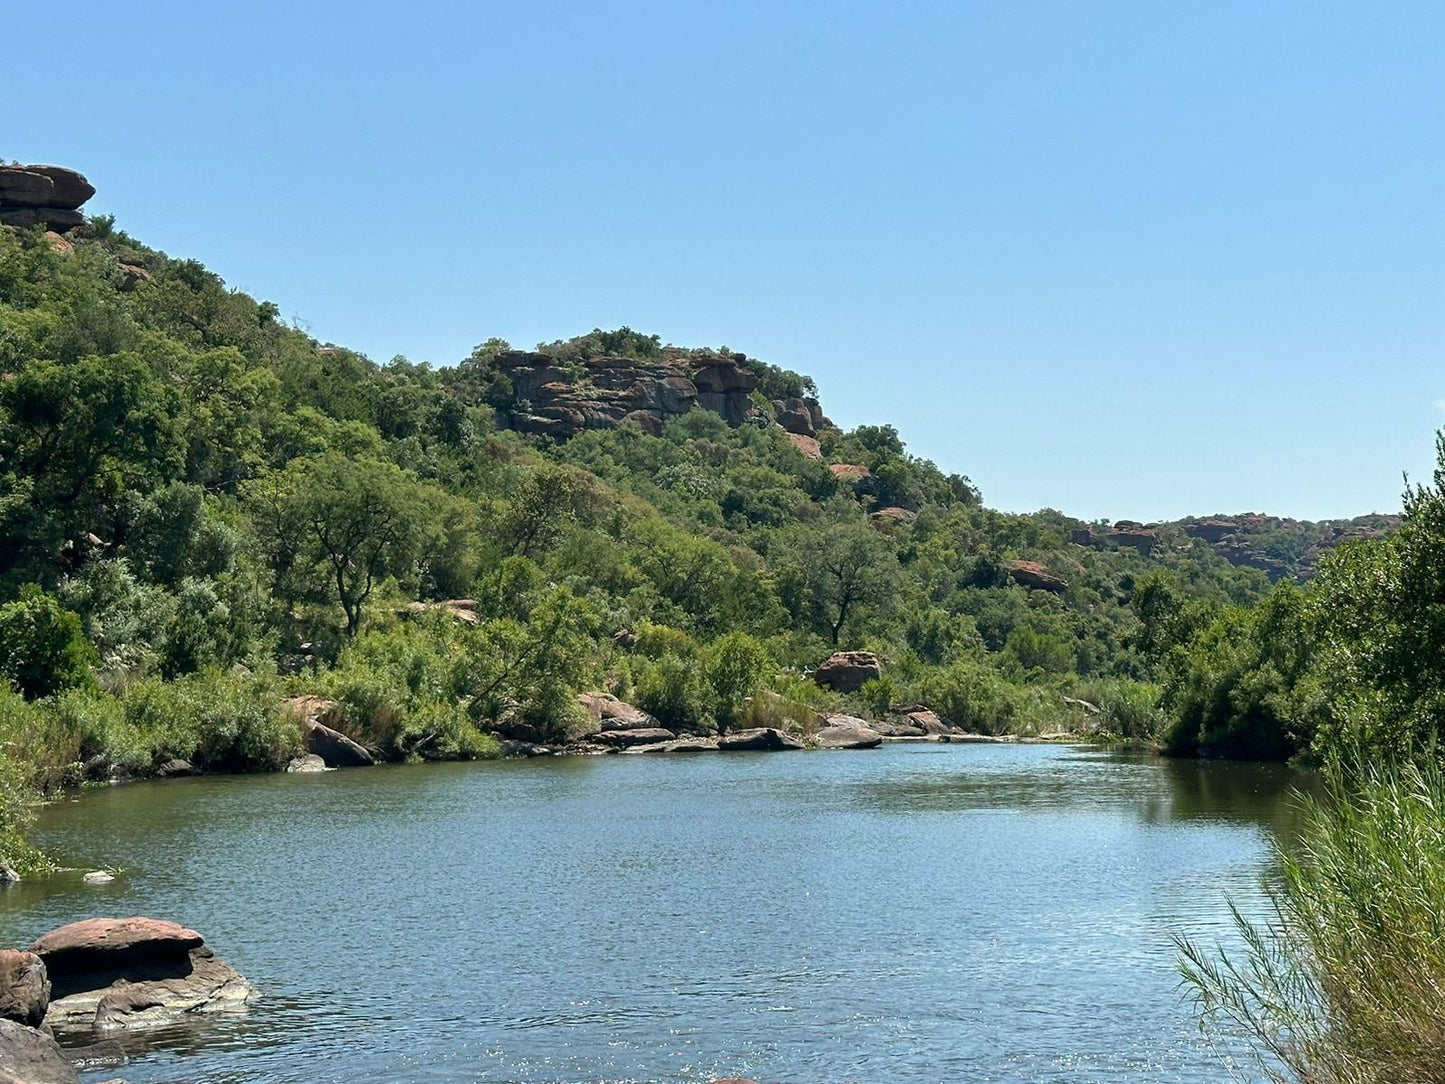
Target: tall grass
x: 1344, y: 982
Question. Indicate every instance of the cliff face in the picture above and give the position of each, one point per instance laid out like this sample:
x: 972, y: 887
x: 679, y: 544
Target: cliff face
x: 556, y: 398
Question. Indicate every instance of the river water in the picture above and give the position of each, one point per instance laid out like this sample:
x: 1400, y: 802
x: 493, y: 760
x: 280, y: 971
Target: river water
x: 917, y: 913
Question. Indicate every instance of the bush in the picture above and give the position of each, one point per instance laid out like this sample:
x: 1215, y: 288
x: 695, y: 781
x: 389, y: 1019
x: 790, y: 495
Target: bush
x: 42, y: 646
x: 735, y: 667
x: 1345, y: 983
x: 974, y: 696
x: 673, y: 690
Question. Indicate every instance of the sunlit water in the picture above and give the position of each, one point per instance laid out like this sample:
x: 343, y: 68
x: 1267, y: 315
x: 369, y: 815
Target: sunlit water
x: 919, y: 913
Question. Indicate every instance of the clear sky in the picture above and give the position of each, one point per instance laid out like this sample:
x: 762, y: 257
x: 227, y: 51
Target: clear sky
x: 1123, y: 259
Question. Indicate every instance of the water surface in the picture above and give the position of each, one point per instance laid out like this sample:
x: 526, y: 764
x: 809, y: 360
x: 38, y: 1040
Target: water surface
x: 918, y: 913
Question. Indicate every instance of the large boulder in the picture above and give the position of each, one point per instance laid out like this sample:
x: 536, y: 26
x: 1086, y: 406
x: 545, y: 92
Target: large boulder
x: 75, y: 955
x: 928, y: 721
x: 1036, y: 577
x: 613, y: 714
x: 118, y: 973
x: 847, y: 732
x: 846, y: 671
x: 52, y: 218
x: 28, y: 1056
x: 332, y: 746
x: 794, y: 416
x: 24, y: 987
x: 762, y: 738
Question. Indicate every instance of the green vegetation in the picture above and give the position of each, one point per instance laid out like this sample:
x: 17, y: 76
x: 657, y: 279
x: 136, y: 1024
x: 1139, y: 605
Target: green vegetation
x: 204, y: 511
x: 1344, y: 983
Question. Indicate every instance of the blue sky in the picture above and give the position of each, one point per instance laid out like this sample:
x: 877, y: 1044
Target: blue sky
x: 1123, y: 259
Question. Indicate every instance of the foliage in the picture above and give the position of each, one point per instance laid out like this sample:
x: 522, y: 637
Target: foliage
x: 1344, y: 981
x: 42, y: 646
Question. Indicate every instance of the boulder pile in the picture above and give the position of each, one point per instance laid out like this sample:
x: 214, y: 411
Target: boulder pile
x: 48, y: 196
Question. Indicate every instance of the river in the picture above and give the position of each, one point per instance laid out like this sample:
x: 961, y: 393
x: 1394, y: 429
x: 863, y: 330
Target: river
x: 918, y: 913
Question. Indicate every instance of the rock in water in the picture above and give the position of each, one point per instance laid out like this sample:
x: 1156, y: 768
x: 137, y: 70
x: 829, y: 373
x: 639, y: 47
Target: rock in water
x: 28, y: 1056
x: 309, y: 763
x: 846, y: 671
x: 112, y: 974
x: 762, y: 738
x: 24, y: 987
x: 98, y: 877
x: 332, y: 746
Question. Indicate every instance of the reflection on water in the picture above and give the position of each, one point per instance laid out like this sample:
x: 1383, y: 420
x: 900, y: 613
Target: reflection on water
x: 915, y: 913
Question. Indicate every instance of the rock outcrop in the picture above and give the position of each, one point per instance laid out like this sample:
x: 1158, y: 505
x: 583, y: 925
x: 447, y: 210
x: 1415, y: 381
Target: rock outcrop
x: 1036, y: 577
x: 613, y: 714
x: 1134, y: 535
x: 621, y: 739
x: 46, y: 196
x: 553, y: 398
x: 112, y: 974
x: 846, y: 671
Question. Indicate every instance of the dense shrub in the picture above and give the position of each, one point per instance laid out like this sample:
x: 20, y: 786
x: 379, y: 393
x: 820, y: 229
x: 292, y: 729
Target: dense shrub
x: 42, y: 646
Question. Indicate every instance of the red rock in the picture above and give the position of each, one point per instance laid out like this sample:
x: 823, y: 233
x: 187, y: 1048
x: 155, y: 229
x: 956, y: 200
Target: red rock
x: 807, y: 445
x: 846, y: 671
x: 97, y: 937
x: 850, y: 472
x: 1035, y: 576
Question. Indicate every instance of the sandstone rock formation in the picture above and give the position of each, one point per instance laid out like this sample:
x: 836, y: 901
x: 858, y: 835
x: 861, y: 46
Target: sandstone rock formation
x: 613, y: 714
x: 809, y: 446
x: 621, y: 739
x: 42, y: 196
x: 846, y: 671
x: 110, y: 974
x: 1035, y: 576
x: 553, y: 398
x: 1135, y: 535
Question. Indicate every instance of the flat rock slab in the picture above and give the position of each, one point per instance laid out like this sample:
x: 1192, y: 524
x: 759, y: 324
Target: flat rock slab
x: 847, y: 732
x: 681, y: 745
x: 762, y: 739
x: 94, y: 953
x: 28, y: 1056
x: 649, y: 735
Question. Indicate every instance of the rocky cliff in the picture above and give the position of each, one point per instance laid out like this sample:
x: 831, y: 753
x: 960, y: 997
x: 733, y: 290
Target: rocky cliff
x: 48, y: 196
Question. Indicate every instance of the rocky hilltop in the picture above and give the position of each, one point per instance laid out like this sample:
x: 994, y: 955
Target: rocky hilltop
x: 1277, y: 546
x: 48, y: 196
x: 601, y: 380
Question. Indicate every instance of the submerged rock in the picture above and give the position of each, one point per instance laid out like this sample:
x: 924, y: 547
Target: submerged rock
x: 98, y: 877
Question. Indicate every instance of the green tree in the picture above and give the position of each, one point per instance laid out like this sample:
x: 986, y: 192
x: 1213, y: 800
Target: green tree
x: 42, y: 646
x: 849, y: 567
x: 356, y: 520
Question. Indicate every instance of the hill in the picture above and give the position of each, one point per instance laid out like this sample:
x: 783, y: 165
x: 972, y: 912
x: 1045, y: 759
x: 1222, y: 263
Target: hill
x: 204, y: 511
